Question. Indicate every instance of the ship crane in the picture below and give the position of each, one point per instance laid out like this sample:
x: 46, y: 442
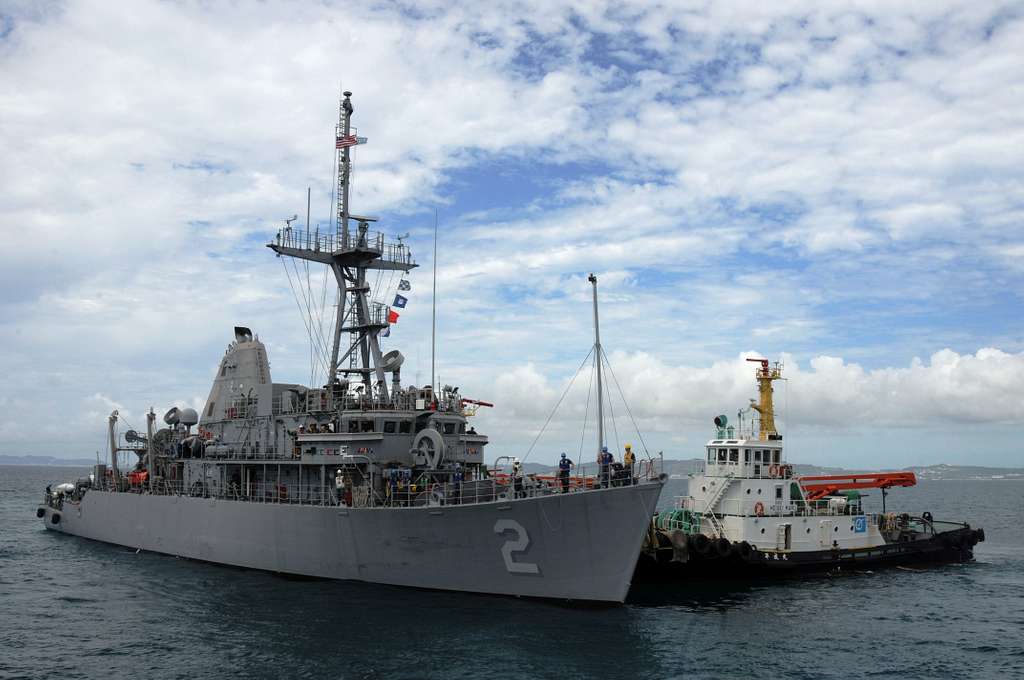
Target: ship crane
x: 818, y: 486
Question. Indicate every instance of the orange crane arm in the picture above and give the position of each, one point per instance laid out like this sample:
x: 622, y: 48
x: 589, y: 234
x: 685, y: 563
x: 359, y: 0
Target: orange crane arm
x: 819, y: 486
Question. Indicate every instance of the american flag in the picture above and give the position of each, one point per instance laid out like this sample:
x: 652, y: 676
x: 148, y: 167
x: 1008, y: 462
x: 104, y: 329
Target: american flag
x: 344, y: 142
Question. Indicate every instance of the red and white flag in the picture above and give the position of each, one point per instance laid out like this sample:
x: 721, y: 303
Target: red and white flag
x: 344, y: 142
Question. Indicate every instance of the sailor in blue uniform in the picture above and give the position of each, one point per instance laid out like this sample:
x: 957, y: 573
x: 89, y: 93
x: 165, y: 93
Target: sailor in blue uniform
x: 605, y: 459
x: 563, y: 472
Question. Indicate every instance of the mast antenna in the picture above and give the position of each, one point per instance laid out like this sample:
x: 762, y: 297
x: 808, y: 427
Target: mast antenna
x: 598, y: 358
x: 433, y: 311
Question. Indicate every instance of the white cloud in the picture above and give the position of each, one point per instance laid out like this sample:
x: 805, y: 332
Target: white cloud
x: 816, y: 180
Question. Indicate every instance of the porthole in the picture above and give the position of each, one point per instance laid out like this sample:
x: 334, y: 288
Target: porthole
x: 808, y: 530
x: 703, y: 488
x: 758, y: 492
x: 748, y: 491
x: 835, y: 529
x: 762, y: 531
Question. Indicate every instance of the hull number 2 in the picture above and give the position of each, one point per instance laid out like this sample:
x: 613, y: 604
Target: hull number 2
x: 515, y: 544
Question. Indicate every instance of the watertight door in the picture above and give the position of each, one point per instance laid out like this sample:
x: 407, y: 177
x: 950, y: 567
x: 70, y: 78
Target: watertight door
x: 825, y: 533
x: 783, y: 537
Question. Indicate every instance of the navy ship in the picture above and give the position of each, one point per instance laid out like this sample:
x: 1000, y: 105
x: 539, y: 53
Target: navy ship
x: 361, y: 478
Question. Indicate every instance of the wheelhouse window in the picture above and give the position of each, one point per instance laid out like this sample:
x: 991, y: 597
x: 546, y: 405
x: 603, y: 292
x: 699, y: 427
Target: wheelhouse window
x: 389, y: 427
x: 462, y: 428
x: 757, y: 456
x: 353, y: 426
x: 734, y: 455
x: 405, y: 427
x: 366, y: 426
x: 776, y: 455
x: 449, y: 428
x: 722, y: 453
x: 746, y: 455
x: 711, y: 455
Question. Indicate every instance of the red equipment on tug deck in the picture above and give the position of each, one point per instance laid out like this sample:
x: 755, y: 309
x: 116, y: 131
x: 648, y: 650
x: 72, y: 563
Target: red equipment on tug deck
x: 819, y: 486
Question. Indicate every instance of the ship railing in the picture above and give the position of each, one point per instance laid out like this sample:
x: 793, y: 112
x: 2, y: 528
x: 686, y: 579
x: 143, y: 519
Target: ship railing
x: 772, y: 508
x: 317, y: 241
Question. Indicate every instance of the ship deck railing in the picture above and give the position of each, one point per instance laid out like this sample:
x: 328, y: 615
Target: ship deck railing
x: 328, y: 242
x: 887, y: 521
x: 351, y: 402
x: 392, y: 493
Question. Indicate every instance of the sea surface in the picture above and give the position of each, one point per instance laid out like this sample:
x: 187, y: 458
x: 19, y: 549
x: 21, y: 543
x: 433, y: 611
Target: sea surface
x: 73, y: 608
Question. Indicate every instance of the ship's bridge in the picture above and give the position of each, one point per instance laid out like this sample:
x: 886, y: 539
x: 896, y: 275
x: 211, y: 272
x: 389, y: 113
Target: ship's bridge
x: 742, y: 457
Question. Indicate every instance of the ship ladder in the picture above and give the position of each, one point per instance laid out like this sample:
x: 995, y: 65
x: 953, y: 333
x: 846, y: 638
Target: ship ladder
x: 709, y: 508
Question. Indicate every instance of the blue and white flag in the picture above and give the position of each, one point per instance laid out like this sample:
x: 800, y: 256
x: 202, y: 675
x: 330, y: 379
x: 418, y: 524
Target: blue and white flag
x: 399, y: 302
x: 404, y: 285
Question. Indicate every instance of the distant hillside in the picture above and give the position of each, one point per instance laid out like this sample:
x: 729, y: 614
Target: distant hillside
x: 46, y: 460
x: 944, y: 471
x: 682, y: 468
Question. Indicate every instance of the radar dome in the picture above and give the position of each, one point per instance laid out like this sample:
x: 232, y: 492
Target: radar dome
x: 188, y: 416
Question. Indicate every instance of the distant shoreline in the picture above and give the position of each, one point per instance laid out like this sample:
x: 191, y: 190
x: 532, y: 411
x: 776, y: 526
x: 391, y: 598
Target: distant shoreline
x: 925, y: 473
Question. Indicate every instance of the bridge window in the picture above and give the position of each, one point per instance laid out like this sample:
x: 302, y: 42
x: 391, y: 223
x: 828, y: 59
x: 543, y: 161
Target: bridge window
x: 734, y: 455
x: 405, y: 427
x: 757, y: 456
x: 389, y: 427
x: 711, y: 455
x: 353, y: 426
x: 449, y: 428
x: 367, y: 426
x: 746, y: 455
x: 776, y: 455
x: 722, y: 453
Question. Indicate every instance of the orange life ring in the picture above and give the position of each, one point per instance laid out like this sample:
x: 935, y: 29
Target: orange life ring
x: 759, y: 509
x: 774, y: 470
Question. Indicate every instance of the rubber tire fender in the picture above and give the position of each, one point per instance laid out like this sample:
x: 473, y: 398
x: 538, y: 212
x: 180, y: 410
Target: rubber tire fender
x: 40, y: 512
x: 723, y: 547
x: 701, y: 544
x: 743, y: 550
x: 55, y: 518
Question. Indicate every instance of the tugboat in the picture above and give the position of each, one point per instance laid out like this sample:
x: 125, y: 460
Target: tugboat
x: 361, y: 478
x: 748, y: 513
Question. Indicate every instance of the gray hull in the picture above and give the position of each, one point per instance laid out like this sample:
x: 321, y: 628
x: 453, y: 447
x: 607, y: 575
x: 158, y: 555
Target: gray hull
x: 578, y: 546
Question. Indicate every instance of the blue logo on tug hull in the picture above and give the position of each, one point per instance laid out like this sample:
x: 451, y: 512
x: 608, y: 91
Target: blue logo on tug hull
x: 860, y: 524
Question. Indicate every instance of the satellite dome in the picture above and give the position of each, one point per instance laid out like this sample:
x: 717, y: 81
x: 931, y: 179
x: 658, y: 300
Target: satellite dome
x: 188, y: 416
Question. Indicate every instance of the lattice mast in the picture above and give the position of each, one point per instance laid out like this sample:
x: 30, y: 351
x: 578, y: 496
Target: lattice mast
x: 349, y: 257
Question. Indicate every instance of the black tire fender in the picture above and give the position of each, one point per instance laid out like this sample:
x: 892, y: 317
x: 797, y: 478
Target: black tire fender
x: 55, y: 518
x: 702, y: 544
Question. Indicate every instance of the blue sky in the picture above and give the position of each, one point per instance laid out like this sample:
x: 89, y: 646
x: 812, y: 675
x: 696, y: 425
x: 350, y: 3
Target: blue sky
x: 836, y: 187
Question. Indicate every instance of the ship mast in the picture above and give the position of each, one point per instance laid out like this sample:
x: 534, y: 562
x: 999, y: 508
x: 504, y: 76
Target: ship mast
x: 349, y: 257
x: 765, y: 376
x: 598, y: 358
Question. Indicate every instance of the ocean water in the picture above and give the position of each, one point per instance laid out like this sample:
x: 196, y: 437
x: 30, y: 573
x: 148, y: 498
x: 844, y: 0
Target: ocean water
x: 72, y: 608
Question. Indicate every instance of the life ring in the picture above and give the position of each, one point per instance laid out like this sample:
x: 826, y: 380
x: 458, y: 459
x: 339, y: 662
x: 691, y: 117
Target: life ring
x: 773, y: 470
x: 759, y: 509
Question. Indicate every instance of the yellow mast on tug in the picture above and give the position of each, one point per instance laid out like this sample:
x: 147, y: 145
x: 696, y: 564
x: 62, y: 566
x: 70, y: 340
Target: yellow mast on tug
x: 765, y: 376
